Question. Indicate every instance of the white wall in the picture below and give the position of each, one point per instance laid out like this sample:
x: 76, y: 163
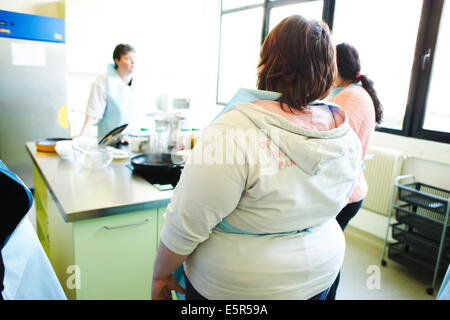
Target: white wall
x: 429, y: 161
x: 39, y: 7
x: 176, y: 45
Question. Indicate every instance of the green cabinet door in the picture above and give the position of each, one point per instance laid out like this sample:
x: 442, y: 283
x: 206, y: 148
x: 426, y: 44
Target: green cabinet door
x: 40, y: 200
x: 114, y: 256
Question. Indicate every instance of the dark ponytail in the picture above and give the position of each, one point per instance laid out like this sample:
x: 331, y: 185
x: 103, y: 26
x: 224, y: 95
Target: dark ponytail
x: 368, y: 85
x: 349, y: 69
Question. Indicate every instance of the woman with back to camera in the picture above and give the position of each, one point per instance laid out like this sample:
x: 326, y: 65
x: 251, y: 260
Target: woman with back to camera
x: 266, y: 229
x: 355, y: 93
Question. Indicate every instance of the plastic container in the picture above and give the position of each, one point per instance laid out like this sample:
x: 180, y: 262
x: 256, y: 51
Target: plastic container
x: 140, y: 141
x: 160, y: 141
x: 171, y: 123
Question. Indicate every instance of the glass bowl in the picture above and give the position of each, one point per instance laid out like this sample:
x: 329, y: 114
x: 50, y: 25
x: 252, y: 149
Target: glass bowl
x: 91, y: 155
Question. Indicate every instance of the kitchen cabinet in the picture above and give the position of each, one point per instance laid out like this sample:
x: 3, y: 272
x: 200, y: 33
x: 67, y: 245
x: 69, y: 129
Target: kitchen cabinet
x: 98, y: 253
x: 115, y: 255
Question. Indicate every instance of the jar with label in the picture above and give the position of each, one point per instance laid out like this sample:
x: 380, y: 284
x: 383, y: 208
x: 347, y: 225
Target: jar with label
x: 140, y: 141
x: 195, y: 135
x: 184, y: 139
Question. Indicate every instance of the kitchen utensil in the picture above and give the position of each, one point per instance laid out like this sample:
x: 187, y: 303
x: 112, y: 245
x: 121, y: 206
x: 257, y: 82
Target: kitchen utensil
x: 47, y: 145
x: 113, y: 137
x: 165, y: 165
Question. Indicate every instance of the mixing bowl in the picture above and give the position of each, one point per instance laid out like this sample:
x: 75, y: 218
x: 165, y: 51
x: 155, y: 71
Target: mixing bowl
x: 90, y: 155
x: 64, y: 148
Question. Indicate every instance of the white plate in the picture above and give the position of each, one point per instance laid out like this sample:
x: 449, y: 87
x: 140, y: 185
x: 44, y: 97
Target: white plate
x: 120, y: 154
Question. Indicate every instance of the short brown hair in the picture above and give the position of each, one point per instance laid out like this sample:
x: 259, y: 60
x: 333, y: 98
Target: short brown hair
x: 121, y: 50
x: 297, y: 59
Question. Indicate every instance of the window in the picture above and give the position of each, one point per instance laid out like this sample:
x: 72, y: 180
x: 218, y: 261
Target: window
x: 403, y: 45
x: 437, y: 116
x: 232, y: 4
x: 385, y: 45
x: 311, y: 9
x: 239, y: 51
x: 244, y: 25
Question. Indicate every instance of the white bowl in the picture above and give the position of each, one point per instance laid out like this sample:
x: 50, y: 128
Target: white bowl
x: 64, y: 148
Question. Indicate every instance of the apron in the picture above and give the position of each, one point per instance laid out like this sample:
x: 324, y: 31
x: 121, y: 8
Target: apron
x: 28, y: 272
x: 242, y: 96
x: 248, y: 95
x: 120, y: 103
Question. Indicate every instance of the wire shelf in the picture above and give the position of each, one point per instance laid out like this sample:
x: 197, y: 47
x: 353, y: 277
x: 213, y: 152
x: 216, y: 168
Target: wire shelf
x: 422, y: 230
x: 425, y: 196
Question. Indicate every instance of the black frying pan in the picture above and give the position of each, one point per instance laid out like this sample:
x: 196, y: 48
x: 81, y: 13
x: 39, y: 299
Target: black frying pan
x: 158, y: 165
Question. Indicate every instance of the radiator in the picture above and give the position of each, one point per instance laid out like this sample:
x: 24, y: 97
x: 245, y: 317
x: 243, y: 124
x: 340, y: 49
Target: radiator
x: 383, y: 167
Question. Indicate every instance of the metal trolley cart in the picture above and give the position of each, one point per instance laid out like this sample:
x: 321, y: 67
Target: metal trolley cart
x: 422, y: 230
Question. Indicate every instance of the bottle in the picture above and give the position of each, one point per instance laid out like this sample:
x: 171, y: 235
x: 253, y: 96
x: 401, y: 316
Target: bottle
x: 144, y: 140
x: 161, y: 141
x: 184, y: 139
x: 195, y: 135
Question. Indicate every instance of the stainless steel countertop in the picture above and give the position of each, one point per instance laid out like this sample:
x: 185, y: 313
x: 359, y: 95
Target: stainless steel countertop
x: 84, y: 194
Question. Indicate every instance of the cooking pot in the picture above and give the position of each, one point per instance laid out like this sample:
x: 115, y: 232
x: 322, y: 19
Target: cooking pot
x: 160, y: 166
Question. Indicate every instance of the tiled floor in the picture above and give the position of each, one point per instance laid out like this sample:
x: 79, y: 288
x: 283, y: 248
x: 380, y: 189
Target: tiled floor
x: 362, y: 265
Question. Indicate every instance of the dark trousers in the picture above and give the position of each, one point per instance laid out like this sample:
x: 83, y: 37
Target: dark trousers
x: 343, y: 218
x: 193, y: 294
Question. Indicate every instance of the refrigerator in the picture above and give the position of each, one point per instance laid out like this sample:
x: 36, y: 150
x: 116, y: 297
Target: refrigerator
x: 32, y: 86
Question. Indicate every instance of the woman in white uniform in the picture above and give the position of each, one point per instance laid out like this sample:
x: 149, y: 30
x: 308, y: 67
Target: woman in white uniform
x: 114, y: 99
x: 253, y: 215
